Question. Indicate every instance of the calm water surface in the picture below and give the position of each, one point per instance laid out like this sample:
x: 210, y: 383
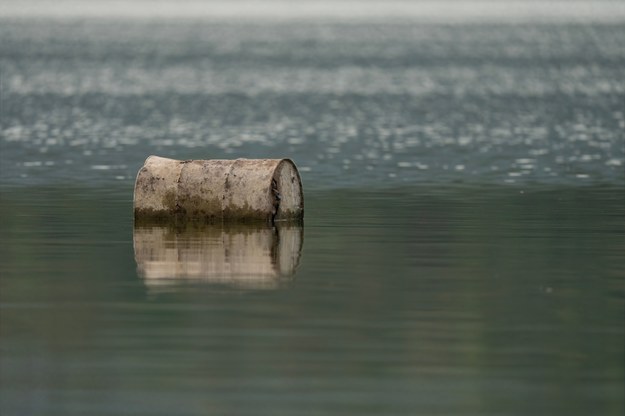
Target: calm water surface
x: 463, y: 251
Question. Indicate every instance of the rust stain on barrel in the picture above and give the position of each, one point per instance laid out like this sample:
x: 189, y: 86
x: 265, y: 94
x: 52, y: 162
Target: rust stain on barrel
x: 218, y: 190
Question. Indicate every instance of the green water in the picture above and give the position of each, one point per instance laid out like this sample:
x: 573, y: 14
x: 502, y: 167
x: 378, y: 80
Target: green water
x: 454, y: 301
x: 463, y: 249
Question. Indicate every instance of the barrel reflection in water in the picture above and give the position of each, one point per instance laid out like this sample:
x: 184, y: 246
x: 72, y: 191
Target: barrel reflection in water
x: 238, y: 255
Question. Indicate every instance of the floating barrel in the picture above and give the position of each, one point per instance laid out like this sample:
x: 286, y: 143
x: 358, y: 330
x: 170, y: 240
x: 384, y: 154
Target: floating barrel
x: 268, y: 190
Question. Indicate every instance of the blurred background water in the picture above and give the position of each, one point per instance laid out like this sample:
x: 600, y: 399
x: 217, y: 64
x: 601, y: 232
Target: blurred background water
x: 464, y: 242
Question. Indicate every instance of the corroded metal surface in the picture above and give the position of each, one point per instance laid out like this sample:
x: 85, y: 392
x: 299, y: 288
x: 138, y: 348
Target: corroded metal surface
x: 216, y: 190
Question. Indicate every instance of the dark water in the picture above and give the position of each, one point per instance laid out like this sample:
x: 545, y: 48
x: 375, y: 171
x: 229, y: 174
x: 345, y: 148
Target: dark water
x: 409, y: 300
x: 463, y: 251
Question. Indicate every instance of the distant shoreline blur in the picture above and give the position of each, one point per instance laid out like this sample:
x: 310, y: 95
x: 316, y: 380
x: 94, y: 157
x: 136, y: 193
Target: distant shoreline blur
x: 464, y: 11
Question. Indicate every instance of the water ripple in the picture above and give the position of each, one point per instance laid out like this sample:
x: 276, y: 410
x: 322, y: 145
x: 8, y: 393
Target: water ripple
x: 352, y: 104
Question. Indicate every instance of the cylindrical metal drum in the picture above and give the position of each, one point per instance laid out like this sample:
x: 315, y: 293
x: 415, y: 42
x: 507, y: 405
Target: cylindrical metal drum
x: 217, y: 190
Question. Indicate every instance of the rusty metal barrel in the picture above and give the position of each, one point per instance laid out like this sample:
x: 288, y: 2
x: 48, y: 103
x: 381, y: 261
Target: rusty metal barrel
x: 265, y: 190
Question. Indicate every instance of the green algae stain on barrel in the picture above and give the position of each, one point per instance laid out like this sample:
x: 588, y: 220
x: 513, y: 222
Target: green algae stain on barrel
x: 265, y: 190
